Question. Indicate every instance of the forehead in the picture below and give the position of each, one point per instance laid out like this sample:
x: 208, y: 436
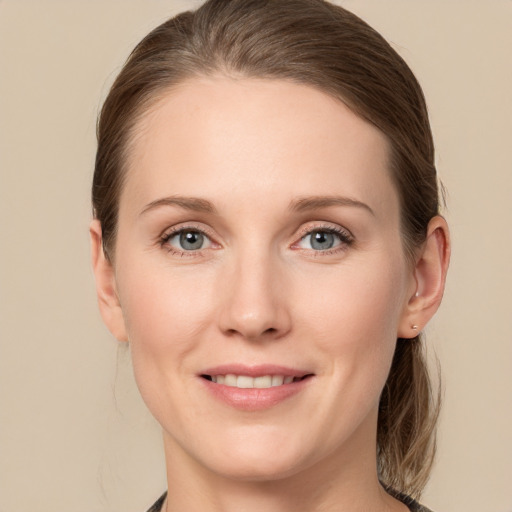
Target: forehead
x: 270, y: 139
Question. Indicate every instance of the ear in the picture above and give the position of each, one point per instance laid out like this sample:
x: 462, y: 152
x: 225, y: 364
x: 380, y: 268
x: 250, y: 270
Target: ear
x: 429, y: 279
x: 108, y: 301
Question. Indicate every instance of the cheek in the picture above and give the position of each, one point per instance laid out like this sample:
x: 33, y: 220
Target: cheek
x: 164, y: 313
x: 356, y: 299
x: 354, y: 321
x: 162, y: 305
x: 354, y: 325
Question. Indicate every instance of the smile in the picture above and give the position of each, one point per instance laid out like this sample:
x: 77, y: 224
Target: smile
x: 248, y: 382
x: 254, y: 388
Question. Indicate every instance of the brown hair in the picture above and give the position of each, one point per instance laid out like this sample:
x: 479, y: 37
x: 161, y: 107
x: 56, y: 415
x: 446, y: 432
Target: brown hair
x: 316, y: 43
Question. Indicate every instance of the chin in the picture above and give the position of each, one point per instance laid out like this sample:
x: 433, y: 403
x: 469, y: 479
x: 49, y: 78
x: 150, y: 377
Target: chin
x: 259, y: 459
x: 267, y: 469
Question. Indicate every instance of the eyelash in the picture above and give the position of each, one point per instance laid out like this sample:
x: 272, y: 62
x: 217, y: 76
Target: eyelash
x: 168, y: 235
x: 345, y: 237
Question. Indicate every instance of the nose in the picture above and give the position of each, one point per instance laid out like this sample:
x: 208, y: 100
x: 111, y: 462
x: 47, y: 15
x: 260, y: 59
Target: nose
x: 254, y: 305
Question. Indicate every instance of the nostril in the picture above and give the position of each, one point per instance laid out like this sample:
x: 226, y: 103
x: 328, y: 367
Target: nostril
x: 247, y: 333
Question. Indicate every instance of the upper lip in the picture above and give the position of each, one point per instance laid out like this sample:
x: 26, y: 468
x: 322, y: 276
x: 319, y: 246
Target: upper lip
x: 255, y: 370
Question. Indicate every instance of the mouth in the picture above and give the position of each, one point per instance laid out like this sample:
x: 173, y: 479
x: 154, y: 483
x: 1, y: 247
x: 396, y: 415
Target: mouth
x: 255, y: 388
x: 254, y: 382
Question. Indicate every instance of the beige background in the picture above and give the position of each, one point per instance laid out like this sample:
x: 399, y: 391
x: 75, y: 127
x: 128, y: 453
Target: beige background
x: 74, y: 436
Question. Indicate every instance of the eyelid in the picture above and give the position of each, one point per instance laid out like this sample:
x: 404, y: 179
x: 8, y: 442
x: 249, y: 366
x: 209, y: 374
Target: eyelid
x: 326, y: 226
x: 170, y: 232
x: 185, y: 226
x: 345, y: 236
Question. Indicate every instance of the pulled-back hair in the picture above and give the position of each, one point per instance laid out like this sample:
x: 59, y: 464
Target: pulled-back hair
x: 319, y: 44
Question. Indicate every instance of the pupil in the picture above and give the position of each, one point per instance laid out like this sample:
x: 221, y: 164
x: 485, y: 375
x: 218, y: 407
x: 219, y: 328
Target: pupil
x: 322, y: 240
x: 191, y: 240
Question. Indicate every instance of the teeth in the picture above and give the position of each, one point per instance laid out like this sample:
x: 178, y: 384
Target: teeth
x: 246, y: 382
x: 230, y: 380
x: 277, y: 380
x: 242, y: 381
x: 262, y: 382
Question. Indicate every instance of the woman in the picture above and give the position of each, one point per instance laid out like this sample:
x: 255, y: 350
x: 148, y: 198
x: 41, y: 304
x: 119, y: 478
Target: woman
x: 267, y: 238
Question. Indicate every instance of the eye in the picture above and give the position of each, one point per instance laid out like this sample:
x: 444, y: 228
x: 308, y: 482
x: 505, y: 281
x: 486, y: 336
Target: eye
x: 324, y: 239
x: 187, y: 240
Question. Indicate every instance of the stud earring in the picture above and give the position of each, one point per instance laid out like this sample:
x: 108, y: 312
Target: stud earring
x: 414, y: 327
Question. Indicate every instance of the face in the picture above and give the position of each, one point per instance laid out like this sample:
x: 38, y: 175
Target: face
x: 261, y: 276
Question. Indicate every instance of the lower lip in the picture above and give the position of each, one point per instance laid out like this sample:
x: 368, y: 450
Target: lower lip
x: 255, y: 399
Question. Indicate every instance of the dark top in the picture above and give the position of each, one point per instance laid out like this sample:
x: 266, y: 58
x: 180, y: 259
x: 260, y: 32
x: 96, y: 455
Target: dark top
x: 413, y: 505
x: 157, y: 507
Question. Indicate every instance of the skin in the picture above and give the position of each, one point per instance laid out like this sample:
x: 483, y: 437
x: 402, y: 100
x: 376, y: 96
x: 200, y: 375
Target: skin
x: 259, y: 292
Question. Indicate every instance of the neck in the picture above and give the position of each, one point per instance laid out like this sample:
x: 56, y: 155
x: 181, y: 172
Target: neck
x: 340, y: 484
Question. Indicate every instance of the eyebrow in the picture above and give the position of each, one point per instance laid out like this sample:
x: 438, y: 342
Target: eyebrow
x: 302, y: 204
x: 316, y: 202
x: 195, y: 204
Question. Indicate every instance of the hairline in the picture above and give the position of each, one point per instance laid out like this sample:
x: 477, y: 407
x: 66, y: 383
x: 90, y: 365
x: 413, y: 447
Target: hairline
x: 154, y: 97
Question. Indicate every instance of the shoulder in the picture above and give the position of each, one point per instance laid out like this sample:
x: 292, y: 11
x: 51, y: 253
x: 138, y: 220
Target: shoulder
x: 157, y: 507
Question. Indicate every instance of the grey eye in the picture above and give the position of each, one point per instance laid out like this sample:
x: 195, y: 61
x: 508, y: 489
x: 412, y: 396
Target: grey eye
x: 191, y: 240
x: 322, y: 240
x: 188, y: 240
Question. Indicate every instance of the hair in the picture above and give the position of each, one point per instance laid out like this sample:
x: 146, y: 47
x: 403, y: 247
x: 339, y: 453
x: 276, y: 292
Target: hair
x: 322, y: 45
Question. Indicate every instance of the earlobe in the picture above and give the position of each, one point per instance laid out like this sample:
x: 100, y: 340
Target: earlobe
x: 430, y: 276
x: 108, y: 300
